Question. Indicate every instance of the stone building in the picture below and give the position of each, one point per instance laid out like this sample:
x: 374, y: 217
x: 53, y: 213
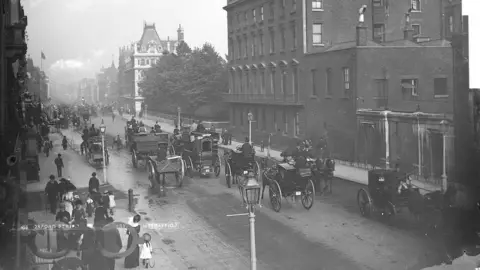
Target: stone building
x: 139, y: 56
x: 107, y: 84
x: 270, y: 43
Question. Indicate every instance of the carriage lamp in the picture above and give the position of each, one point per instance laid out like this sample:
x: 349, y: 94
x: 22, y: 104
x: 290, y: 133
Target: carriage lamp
x: 103, y: 128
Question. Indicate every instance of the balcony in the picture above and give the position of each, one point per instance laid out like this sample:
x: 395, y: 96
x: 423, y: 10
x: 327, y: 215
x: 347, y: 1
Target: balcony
x: 267, y: 99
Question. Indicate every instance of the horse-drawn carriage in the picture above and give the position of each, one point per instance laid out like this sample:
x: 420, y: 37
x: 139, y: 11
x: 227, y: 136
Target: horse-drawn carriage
x: 84, y: 112
x: 237, y: 166
x: 143, y: 144
x: 94, y: 151
x: 200, y: 151
x: 164, y: 163
x: 289, y: 181
x: 389, y: 191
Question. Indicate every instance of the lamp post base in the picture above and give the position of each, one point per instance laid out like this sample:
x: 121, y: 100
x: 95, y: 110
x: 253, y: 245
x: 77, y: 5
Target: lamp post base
x: 253, y: 256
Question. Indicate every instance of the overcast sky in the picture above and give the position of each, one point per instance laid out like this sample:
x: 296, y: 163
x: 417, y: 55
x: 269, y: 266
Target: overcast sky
x: 79, y: 36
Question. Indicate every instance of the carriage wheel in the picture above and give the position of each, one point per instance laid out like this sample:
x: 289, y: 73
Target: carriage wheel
x: 134, y: 159
x: 308, y: 195
x: 365, y: 202
x: 228, y: 174
x: 151, y: 173
x: 275, y: 194
x: 189, y: 167
x: 181, y: 173
x: 217, y: 166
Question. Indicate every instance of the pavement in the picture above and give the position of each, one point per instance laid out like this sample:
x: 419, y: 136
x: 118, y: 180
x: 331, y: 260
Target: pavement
x: 342, y: 171
x: 79, y: 172
x: 333, y: 228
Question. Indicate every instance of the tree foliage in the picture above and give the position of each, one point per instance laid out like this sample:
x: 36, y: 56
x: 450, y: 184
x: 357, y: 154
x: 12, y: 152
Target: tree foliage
x: 189, y: 79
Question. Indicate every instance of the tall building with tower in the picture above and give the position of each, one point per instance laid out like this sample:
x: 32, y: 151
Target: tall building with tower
x: 139, y: 56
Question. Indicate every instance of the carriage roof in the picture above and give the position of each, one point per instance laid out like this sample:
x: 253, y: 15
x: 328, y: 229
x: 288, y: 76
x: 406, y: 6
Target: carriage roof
x: 386, y: 176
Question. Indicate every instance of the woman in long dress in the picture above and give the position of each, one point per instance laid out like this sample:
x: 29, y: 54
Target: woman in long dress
x: 132, y: 260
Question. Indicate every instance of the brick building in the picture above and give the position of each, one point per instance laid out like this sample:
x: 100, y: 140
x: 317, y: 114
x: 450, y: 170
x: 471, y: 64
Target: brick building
x: 139, y: 56
x: 271, y: 42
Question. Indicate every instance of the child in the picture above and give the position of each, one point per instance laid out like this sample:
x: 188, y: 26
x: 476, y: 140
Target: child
x: 111, y: 202
x: 146, y: 250
x: 90, y: 206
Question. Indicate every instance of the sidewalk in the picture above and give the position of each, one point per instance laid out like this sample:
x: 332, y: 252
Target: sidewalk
x: 79, y: 172
x: 342, y: 171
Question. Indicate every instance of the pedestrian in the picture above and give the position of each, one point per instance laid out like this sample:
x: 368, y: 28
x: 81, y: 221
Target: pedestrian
x: 78, y: 214
x: 111, y: 242
x: 113, y: 116
x: 59, y: 164
x: 64, y: 217
x: 51, y: 190
x: 93, y: 183
x: 101, y: 215
x: 146, y: 250
x: 86, y: 243
x: 131, y: 261
x: 111, y: 202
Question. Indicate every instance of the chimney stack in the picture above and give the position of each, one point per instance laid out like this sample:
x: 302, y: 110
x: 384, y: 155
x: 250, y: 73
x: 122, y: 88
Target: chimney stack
x: 362, y: 36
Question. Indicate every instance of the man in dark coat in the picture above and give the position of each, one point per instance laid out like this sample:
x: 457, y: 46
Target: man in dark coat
x: 93, y: 183
x: 59, y: 165
x: 51, y: 190
x: 111, y: 241
x: 247, y: 148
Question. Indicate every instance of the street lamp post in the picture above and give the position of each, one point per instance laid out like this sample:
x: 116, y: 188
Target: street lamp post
x: 444, y: 124
x: 250, y: 119
x: 103, y: 129
x: 252, y: 198
x: 179, y: 110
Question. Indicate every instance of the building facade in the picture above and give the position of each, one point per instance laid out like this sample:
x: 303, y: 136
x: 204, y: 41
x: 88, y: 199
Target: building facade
x: 139, y: 56
x: 270, y: 42
x: 88, y: 90
x: 107, y: 84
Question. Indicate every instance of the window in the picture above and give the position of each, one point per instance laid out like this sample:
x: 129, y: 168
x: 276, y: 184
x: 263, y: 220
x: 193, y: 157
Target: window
x: 261, y: 45
x: 254, y: 15
x: 264, y: 119
x: 238, y: 18
x: 285, y: 122
x: 440, y: 87
x: 328, y: 82
x: 148, y: 61
x: 253, y: 82
x: 416, y: 5
x: 240, y: 81
x: 272, y: 81
x: 282, y: 33
x: 272, y: 10
x: 272, y: 41
x: 261, y: 13
x: 450, y: 24
x: 239, y: 48
x: 294, y: 5
x: 346, y: 78
x: 142, y: 62
x: 379, y: 33
x: 247, y: 82
x: 296, y: 124
x: 314, y: 82
x: 317, y: 4
x: 283, y: 4
x: 283, y: 85
x: 275, y: 125
x: 295, y: 83
x: 317, y: 33
x: 409, y: 88
x: 416, y: 30
x: 382, y: 93
x: 253, y: 45
x: 232, y: 83
x: 245, y: 18
x: 294, y: 36
x: 262, y: 82
x: 378, y: 3
x: 245, y: 52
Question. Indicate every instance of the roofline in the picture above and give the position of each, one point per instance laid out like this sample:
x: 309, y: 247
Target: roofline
x: 379, y: 47
x: 235, y: 3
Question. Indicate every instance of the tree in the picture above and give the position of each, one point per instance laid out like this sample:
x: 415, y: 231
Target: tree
x: 189, y: 79
x: 183, y: 49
